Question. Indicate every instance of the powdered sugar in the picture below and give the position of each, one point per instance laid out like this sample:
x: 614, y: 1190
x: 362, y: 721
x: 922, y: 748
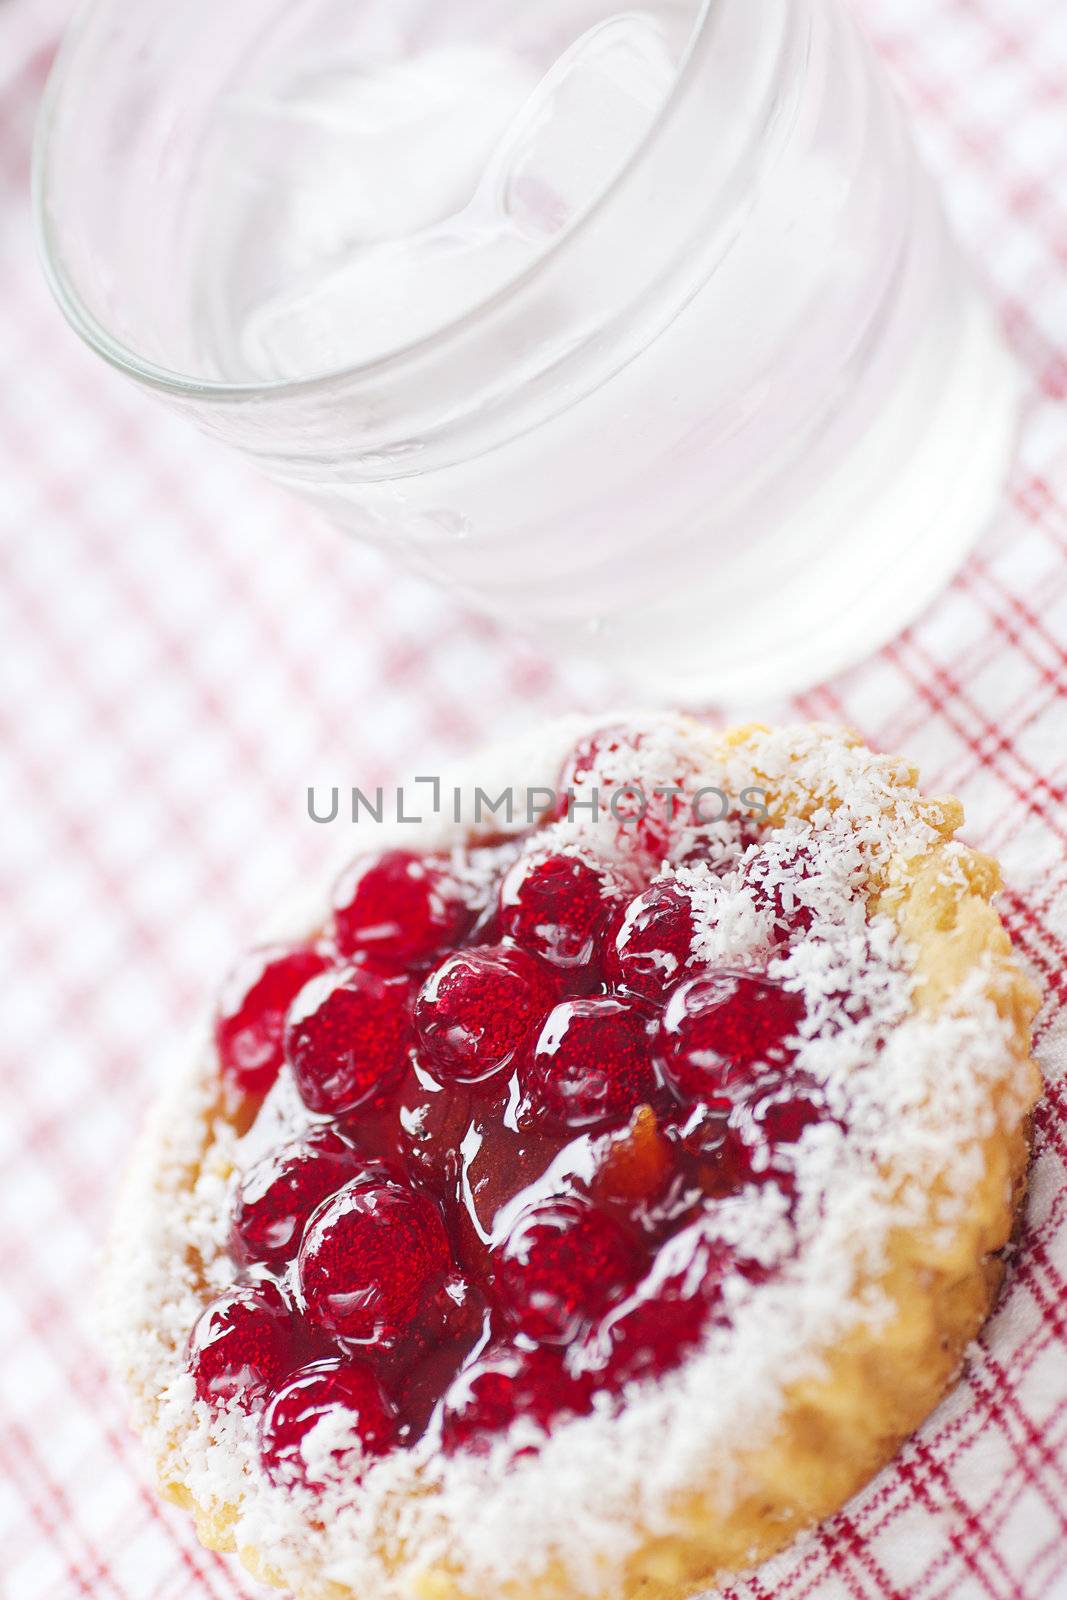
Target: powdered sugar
x: 914, y: 1086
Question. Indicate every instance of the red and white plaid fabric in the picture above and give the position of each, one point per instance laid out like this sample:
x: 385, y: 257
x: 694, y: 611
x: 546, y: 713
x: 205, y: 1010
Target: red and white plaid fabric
x: 182, y: 651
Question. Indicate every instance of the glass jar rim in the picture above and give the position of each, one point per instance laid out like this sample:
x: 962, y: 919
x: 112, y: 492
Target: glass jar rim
x: 166, y: 381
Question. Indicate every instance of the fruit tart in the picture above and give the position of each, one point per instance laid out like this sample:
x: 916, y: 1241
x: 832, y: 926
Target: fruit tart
x: 583, y: 1200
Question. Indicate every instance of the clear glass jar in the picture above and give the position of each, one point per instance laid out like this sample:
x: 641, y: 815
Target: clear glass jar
x: 644, y: 330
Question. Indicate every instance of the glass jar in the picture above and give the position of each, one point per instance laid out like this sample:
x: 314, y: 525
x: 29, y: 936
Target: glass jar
x: 643, y: 330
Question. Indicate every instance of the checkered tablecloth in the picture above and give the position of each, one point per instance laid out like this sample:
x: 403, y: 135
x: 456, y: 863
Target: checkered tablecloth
x: 183, y: 651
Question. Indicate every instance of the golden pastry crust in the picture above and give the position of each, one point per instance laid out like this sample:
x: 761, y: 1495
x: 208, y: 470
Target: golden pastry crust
x: 872, y: 1387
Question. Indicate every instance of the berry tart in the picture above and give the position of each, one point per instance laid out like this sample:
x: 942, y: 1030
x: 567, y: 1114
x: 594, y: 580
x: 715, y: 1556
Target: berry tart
x: 581, y: 1206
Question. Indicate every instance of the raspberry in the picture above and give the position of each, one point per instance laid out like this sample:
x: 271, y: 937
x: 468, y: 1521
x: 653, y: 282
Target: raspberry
x: 768, y: 1120
x: 371, y: 1257
x: 664, y: 1318
x: 558, y: 906
x: 347, y: 1039
x: 563, y: 1264
x: 609, y: 767
x: 278, y: 1194
x: 250, y: 1020
x: 341, y: 1400
x: 653, y: 943
x: 503, y: 1385
x: 399, y: 905
x: 778, y: 877
x: 722, y: 1031
x: 242, y: 1345
x: 590, y: 1065
x: 477, y: 1009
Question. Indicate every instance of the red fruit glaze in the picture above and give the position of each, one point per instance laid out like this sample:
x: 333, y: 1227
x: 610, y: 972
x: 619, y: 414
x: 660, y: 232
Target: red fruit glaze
x: 503, y: 1385
x: 477, y: 1009
x: 432, y: 1120
x: 399, y: 905
x: 243, y: 1344
x: 370, y: 1258
x: 590, y: 1065
x: 347, y: 1039
x: 540, y: 1098
x: 278, y: 1194
x: 653, y: 943
x: 722, y: 1031
x: 557, y: 906
x: 250, y: 1020
x: 562, y: 1264
x: 345, y: 1400
x: 425, y: 1379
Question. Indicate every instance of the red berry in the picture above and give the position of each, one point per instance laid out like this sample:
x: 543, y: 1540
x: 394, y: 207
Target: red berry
x: 562, y: 1265
x: 611, y: 769
x: 243, y: 1344
x: 664, y: 1318
x: 782, y: 1120
x: 278, y: 1194
x: 250, y: 1020
x: 722, y: 1031
x: 347, y: 1039
x: 477, y: 1009
x: 653, y: 943
x: 399, y: 905
x: 768, y: 1120
x: 507, y: 1384
x: 594, y: 764
x: 370, y: 1258
x: 557, y: 906
x: 716, y: 846
x: 345, y: 1406
x: 590, y: 1064
x: 780, y: 877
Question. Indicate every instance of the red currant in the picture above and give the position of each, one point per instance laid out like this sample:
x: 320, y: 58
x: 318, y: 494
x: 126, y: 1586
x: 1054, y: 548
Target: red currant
x: 768, y: 1121
x: 665, y: 1317
x: 780, y: 879
x: 557, y: 907
x: 539, y: 1095
x: 507, y: 1384
x: 653, y: 943
x: 610, y: 769
x: 278, y: 1194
